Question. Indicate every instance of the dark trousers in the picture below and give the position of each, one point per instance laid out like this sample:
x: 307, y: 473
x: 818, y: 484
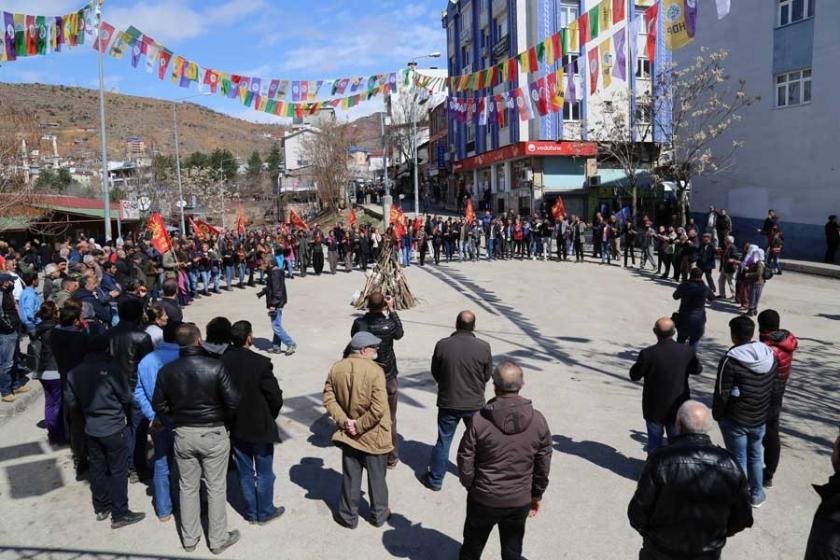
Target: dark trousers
x: 78, y: 439
x: 830, y: 251
x: 709, y: 280
x: 578, y: 244
x: 392, y: 387
x: 649, y: 553
x: 352, y: 463
x: 666, y: 258
x: 561, y: 249
x: 772, y: 444
x: 447, y: 421
x: 628, y: 248
x: 53, y: 410
x: 108, y: 458
x: 480, y: 522
x: 318, y: 260
x: 436, y: 248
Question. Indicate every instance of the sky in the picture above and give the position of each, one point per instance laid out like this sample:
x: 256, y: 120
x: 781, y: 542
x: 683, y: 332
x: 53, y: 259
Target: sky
x: 269, y: 39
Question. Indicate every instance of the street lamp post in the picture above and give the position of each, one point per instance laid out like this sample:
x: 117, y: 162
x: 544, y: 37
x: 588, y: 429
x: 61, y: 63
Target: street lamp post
x: 412, y: 68
x: 106, y: 194
x: 181, y: 201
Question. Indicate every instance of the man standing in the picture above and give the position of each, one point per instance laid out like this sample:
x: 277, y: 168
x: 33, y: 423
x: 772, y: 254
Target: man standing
x: 129, y: 344
x: 691, y: 495
x: 723, y: 226
x: 692, y: 294
x: 503, y: 460
x: 161, y: 428
x: 461, y: 365
x: 706, y: 260
x: 729, y: 261
x: 356, y: 400
x: 824, y: 539
x: 100, y: 390
x: 275, y: 301
x: 383, y: 322
x: 743, y: 394
x: 197, y: 393
x: 832, y: 238
x: 665, y: 367
x: 648, y: 237
x: 11, y: 382
x: 254, y: 431
x: 169, y: 300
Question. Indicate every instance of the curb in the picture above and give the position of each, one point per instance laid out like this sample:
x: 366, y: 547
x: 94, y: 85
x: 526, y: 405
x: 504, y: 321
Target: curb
x: 22, y: 402
x: 814, y: 269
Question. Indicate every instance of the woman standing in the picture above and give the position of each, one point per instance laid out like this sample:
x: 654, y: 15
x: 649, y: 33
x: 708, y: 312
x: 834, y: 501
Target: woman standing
x: 754, y: 277
x: 46, y: 371
x: 157, y: 319
x: 691, y: 320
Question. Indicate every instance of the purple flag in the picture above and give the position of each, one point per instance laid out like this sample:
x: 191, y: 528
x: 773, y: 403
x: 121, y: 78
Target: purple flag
x: 256, y: 83
x: 136, y: 51
x: 620, y: 67
x: 295, y: 90
x: 272, y: 89
x: 9, y: 35
x: 690, y: 17
x: 571, y: 91
x: 59, y: 33
x: 233, y: 92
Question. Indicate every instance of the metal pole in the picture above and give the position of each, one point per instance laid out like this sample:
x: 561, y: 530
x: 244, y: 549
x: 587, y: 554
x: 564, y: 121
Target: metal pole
x: 106, y: 195
x: 414, y: 136
x: 222, y: 192
x: 181, y: 201
x: 119, y: 220
x: 387, y: 201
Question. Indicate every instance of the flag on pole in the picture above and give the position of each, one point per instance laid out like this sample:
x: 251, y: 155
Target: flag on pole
x: 296, y: 220
x: 240, y: 223
x: 207, y: 229
x: 594, y: 69
x: 558, y: 210
x: 160, y: 237
x: 105, y: 34
x: 604, y: 49
x: 651, y: 22
x: 722, y: 8
x: 196, y: 230
x: 351, y: 219
x: 9, y: 35
x: 618, y: 10
x: 676, y: 31
x: 620, y: 66
x: 470, y: 212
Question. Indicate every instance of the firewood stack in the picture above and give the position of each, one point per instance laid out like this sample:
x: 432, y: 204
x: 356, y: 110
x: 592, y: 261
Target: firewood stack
x: 387, y: 276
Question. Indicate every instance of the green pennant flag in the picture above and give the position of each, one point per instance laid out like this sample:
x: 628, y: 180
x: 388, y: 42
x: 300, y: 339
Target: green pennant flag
x: 80, y: 29
x: 41, y: 29
x: 133, y: 32
x: 249, y: 98
x: 594, y: 20
x: 270, y: 106
x: 541, y: 51
x: 564, y: 39
x: 20, y: 34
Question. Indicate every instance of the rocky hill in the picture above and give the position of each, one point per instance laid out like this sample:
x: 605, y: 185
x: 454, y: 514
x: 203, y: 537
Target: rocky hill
x: 72, y: 115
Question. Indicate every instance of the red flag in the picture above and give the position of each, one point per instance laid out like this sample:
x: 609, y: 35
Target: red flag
x: 594, y: 70
x: 557, y: 46
x: 470, y: 215
x: 351, y: 219
x: 533, y: 62
x: 559, y: 209
x: 196, y: 230
x: 160, y: 237
x: 618, y: 10
x: 32, y: 33
x: 163, y: 62
x: 513, y: 69
x: 296, y: 220
x: 500, y: 110
x: 583, y: 28
x: 396, y: 215
x: 211, y: 78
x: 399, y: 229
x: 207, y: 229
x: 106, y: 32
x: 240, y: 223
x: 652, y: 22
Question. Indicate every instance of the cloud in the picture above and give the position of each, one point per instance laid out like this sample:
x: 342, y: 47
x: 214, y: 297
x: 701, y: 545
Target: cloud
x: 170, y: 21
x: 43, y: 7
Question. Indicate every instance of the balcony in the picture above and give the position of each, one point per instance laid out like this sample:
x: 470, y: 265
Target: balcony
x: 500, y: 49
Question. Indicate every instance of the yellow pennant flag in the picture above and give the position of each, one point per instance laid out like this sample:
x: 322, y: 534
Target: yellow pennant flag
x: 177, y: 69
x: 676, y: 32
x: 605, y: 15
x: 574, y: 37
x: 549, y: 51
x: 606, y: 69
x: 559, y: 93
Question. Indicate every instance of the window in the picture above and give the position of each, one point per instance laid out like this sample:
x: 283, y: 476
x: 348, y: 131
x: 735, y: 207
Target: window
x: 643, y: 68
x: 465, y: 55
x: 571, y: 111
x: 568, y: 13
x: 500, y: 23
x: 793, y: 88
x: 791, y: 11
x: 571, y: 59
x: 643, y: 113
x: 470, y: 133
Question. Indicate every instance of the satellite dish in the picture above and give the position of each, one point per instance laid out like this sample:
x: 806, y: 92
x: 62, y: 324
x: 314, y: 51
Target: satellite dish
x: 144, y: 203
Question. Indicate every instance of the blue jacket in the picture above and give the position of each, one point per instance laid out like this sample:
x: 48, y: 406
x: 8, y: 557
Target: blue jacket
x: 147, y: 372
x: 30, y: 303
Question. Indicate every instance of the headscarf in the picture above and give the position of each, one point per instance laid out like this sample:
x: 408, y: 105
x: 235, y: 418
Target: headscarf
x: 752, y: 255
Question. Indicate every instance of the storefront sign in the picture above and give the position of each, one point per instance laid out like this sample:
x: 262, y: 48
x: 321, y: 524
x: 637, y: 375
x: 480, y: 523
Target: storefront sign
x: 528, y: 149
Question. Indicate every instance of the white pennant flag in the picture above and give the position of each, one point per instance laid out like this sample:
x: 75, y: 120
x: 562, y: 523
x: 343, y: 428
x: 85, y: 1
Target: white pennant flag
x: 722, y: 8
x: 635, y: 29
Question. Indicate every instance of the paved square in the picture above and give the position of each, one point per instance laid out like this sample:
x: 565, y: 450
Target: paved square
x: 576, y: 329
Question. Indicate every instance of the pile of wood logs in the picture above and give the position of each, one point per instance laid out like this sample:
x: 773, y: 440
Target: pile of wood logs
x: 387, y: 276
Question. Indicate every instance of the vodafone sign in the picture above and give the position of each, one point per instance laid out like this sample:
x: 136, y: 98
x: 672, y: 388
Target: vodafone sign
x: 528, y: 149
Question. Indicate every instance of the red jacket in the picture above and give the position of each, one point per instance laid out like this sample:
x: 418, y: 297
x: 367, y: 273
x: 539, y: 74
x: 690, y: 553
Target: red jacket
x: 783, y: 343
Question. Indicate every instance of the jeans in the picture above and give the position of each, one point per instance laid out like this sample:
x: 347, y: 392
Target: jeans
x: 8, y: 376
x: 447, y: 423
x: 192, y: 282
x: 755, y: 295
x: 228, y: 276
x: 480, y: 522
x: 254, y: 463
x: 243, y: 272
x: 164, y: 441
x: 606, y: 253
x: 654, y: 433
x: 108, y: 476
x: 745, y: 444
x: 405, y: 251
x: 138, y: 431
x: 691, y: 334
x: 491, y: 249
x: 546, y: 247
x: 280, y: 334
x: 392, y: 387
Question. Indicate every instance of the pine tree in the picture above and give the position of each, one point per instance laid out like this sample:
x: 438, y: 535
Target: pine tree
x: 255, y: 167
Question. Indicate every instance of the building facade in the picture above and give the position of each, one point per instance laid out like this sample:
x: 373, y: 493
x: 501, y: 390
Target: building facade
x: 787, y: 53
x: 525, y: 165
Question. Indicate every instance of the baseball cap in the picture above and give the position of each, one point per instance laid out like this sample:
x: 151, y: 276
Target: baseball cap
x: 363, y: 340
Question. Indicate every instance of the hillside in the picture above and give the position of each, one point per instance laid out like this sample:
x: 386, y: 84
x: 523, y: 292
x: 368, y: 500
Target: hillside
x: 73, y: 114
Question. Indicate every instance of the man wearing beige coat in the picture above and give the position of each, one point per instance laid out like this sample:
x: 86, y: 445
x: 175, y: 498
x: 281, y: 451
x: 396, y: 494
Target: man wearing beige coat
x: 356, y: 399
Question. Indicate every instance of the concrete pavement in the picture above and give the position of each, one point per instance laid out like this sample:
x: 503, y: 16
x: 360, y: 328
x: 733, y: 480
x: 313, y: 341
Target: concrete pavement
x: 576, y: 329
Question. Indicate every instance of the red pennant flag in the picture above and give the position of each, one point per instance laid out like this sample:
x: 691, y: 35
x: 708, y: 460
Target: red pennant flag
x: 196, y: 230
x: 618, y: 10
x: 533, y: 62
x: 652, y: 22
x: 594, y: 70
x: 106, y: 32
x: 396, y: 215
x: 557, y: 46
x: 513, y: 69
x: 31, y: 34
x: 163, y: 62
x: 500, y: 110
x: 559, y: 209
x: 240, y: 223
x: 211, y: 78
x: 296, y: 220
x: 207, y: 229
x: 351, y: 219
x: 470, y: 214
x: 583, y: 28
x: 160, y: 237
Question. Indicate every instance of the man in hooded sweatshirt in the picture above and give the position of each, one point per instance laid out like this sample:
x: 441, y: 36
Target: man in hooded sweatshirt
x: 744, y: 390
x: 783, y: 343
x: 503, y: 460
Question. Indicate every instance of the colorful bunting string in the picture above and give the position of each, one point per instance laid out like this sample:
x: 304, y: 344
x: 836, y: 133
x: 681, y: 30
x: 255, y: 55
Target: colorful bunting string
x: 27, y: 35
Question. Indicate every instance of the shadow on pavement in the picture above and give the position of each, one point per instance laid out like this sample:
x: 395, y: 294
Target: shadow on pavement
x: 602, y: 455
x: 319, y: 482
x: 416, y: 455
x: 28, y: 552
x: 411, y: 540
x: 34, y: 478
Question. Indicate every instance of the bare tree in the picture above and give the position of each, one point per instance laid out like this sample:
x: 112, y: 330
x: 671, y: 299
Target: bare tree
x: 410, y: 106
x: 694, y: 106
x: 326, y: 150
x: 625, y: 143
x: 17, y: 128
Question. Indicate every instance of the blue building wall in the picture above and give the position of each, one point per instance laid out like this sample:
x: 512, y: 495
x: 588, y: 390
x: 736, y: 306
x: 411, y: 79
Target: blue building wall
x: 563, y: 173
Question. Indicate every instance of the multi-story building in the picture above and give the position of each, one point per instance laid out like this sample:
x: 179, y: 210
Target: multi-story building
x: 786, y: 51
x: 526, y: 164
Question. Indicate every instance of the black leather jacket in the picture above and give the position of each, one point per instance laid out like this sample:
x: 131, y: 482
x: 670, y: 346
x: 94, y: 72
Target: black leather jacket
x: 128, y: 345
x: 275, y: 289
x: 691, y: 496
x: 387, y: 327
x: 195, y: 390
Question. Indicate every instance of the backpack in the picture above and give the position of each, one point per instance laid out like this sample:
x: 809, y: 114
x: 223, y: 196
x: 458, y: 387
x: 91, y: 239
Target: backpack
x: 767, y: 274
